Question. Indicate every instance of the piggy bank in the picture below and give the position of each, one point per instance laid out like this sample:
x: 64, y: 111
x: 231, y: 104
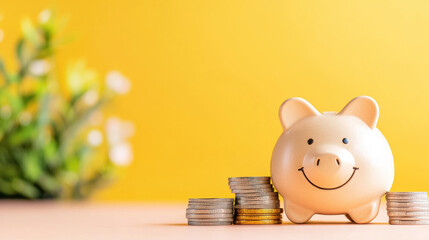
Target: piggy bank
x: 331, y: 163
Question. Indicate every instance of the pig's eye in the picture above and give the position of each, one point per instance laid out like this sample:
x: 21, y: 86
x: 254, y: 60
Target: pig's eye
x: 345, y: 140
x: 310, y: 141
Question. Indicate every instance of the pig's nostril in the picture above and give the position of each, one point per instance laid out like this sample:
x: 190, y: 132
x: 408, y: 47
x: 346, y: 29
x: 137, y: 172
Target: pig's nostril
x: 338, y: 161
x: 318, y: 161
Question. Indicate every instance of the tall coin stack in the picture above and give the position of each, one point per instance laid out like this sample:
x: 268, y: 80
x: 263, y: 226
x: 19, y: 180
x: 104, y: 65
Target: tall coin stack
x: 408, y: 208
x: 255, y: 201
x: 210, y: 211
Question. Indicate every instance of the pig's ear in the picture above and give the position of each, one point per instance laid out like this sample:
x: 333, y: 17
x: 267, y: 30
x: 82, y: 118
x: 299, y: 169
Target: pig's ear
x: 363, y: 107
x: 295, y: 109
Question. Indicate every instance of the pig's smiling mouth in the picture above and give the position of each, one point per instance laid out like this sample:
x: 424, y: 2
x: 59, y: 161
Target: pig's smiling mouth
x: 350, y: 178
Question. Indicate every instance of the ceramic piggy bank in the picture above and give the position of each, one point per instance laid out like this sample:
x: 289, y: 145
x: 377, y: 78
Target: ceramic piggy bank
x: 331, y: 163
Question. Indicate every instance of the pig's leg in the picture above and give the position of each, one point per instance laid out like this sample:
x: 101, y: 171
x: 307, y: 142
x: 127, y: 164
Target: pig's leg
x: 297, y: 214
x: 365, y: 213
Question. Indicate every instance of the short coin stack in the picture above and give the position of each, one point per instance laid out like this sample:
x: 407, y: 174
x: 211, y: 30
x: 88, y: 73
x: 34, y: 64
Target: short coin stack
x: 408, y: 208
x: 255, y: 201
x: 210, y: 211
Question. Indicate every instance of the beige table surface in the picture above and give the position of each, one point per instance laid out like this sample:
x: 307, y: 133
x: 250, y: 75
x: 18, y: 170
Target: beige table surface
x: 53, y: 220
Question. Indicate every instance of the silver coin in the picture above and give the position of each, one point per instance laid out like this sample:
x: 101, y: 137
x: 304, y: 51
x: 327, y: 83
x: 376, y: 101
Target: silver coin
x: 241, y: 202
x: 210, y: 200
x: 258, y: 206
x: 257, y: 194
x: 193, y: 223
x: 403, y: 214
x: 239, y: 183
x: 215, y: 215
x: 409, y: 222
x: 209, y: 211
x: 259, y: 186
x: 406, y: 198
x: 194, y: 206
x: 252, y: 190
x: 408, y: 204
x: 413, y: 218
x: 211, y: 219
x: 405, y: 193
x: 257, y: 198
x: 407, y: 209
x: 232, y: 179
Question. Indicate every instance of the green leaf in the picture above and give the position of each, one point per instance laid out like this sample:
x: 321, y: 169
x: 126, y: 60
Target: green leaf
x: 30, y: 32
x: 3, y: 72
x: 49, y: 183
x: 25, y: 188
x: 20, y: 53
x: 22, y: 135
x: 73, y: 127
x: 6, y: 187
x: 31, y: 166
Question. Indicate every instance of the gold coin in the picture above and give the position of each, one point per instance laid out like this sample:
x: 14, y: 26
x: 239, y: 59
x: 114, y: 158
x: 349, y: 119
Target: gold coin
x: 259, y: 210
x: 257, y: 222
x: 258, y: 217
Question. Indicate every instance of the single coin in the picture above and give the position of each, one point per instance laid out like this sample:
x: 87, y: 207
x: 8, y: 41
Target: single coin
x: 407, y: 209
x: 259, y: 186
x: 258, y: 217
x: 193, y: 223
x: 406, y: 198
x: 409, y: 222
x: 197, y: 206
x: 255, y: 190
x: 231, y: 179
x: 210, y: 200
x: 257, y: 198
x: 258, y: 194
x: 209, y: 211
x: 210, y: 219
x: 211, y: 203
x: 399, y: 214
x: 405, y: 193
x: 258, y: 214
x: 215, y: 215
x: 257, y: 222
x: 412, y: 218
x: 259, y: 211
x: 408, y: 204
x: 253, y: 182
x: 257, y: 206
x: 247, y: 202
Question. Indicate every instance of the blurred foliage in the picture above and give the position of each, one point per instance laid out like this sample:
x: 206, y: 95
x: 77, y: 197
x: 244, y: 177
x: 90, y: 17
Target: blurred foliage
x: 44, y: 120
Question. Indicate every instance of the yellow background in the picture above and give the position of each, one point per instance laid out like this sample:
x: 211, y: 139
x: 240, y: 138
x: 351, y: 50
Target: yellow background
x: 208, y: 78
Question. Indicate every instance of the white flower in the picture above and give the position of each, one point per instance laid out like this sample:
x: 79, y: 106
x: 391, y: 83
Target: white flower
x: 121, y: 154
x: 90, y: 97
x: 118, y: 131
x: 5, y: 111
x: 45, y: 15
x: 118, y: 82
x: 95, y: 138
x: 39, y: 67
x: 1, y: 35
x: 25, y: 118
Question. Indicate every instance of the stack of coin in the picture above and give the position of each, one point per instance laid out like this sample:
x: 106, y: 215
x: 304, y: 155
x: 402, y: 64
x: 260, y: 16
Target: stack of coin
x: 255, y: 201
x: 408, y: 208
x: 210, y: 211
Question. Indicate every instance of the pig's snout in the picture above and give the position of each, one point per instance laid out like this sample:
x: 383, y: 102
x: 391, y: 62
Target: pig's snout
x: 328, y: 166
x: 327, y: 161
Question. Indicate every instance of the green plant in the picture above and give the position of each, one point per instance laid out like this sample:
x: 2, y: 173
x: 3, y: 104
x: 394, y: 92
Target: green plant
x: 48, y: 147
